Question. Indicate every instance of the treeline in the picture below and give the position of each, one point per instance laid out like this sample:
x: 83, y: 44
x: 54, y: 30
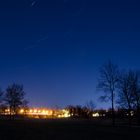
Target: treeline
x: 79, y: 111
x: 13, y: 98
x: 84, y: 112
x: 121, y: 87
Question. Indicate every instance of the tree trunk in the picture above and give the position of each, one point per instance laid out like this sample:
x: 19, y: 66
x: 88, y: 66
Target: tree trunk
x: 113, y: 111
x: 129, y: 115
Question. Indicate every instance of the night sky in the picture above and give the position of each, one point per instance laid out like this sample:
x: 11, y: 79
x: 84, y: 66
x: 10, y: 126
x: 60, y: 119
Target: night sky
x: 55, y: 48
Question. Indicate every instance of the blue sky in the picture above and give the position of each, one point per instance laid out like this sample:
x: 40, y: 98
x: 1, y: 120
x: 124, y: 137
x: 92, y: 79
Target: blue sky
x: 55, y: 48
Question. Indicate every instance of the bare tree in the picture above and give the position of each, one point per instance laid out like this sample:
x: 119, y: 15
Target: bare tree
x: 1, y: 95
x: 125, y: 97
x: 108, y: 83
x: 14, y: 97
x: 1, y: 100
x: 129, y: 93
x: 24, y: 106
x: 79, y: 111
x: 90, y: 105
x: 135, y: 91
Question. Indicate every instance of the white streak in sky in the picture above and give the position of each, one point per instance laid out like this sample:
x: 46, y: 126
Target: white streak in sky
x: 42, y: 39
x: 33, y: 3
x: 30, y: 47
x: 36, y: 45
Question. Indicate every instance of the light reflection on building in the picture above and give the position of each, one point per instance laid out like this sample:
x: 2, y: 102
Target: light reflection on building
x: 95, y: 115
x: 42, y: 113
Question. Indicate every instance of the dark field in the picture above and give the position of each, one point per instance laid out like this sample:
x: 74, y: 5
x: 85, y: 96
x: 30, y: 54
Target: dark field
x: 64, y: 130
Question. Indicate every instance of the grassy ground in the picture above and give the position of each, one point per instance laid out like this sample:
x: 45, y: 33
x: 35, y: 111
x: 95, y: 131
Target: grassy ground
x: 64, y: 130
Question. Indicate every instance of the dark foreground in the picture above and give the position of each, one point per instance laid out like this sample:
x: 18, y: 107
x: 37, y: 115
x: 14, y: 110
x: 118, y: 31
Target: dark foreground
x: 64, y: 130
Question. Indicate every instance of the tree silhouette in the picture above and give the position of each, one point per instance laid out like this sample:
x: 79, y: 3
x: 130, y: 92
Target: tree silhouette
x: 129, y: 93
x: 125, y: 96
x: 90, y: 105
x: 79, y: 111
x: 108, y: 83
x: 135, y: 89
x: 1, y: 94
x: 24, y: 106
x: 14, y: 97
x: 1, y: 100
